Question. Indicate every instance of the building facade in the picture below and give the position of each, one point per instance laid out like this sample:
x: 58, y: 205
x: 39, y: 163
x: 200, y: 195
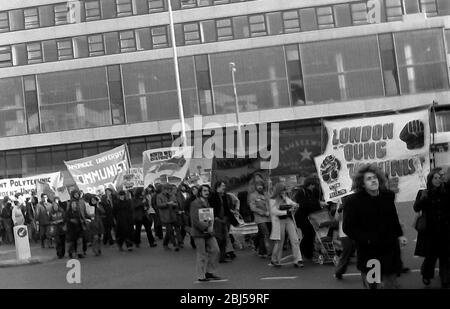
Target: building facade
x: 79, y: 81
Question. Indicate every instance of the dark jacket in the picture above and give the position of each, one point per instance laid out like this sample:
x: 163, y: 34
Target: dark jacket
x: 167, y: 212
x: 108, y: 217
x: 123, y: 214
x: 199, y: 228
x: 308, y: 202
x: 372, y: 222
x: 75, y: 223
x: 222, y: 204
x: 435, y: 239
x: 138, y: 205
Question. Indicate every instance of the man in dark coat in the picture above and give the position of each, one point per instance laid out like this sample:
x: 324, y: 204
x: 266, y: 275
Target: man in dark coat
x: 107, y: 201
x: 123, y: 215
x: 371, y: 220
x: 158, y: 224
x: 308, y: 199
x: 223, y: 217
x: 168, y: 207
x: 140, y: 218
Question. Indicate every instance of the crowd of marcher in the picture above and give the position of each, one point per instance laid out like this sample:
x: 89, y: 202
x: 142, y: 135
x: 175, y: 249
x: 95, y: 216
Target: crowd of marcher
x: 365, y: 221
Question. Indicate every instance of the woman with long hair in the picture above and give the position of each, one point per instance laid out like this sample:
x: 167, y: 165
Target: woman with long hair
x: 433, y: 240
x: 282, y: 210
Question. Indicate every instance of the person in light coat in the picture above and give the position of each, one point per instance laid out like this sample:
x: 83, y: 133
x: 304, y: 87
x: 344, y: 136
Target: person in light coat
x: 282, y: 210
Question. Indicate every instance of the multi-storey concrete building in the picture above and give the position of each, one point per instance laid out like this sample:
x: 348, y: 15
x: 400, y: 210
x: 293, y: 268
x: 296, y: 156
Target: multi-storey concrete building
x: 76, y: 83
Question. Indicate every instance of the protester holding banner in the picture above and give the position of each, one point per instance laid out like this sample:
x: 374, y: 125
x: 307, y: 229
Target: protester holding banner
x: 282, y: 210
x: 58, y: 224
x: 168, y: 207
x: 202, y: 232
x: 107, y: 202
x: 371, y: 220
x: 140, y: 218
x: 123, y: 215
x: 43, y: 219
x: 259, y: 204
x: 433, y: 240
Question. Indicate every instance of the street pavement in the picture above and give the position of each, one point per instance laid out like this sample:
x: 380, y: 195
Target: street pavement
x: 155, y: 268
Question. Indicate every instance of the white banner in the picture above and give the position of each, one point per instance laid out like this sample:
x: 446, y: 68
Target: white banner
x: 134, y: 178
x: 9, y: 187
x: 166, y: 165
x: 398, y: 144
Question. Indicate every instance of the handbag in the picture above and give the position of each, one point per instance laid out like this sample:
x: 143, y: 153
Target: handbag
x: 420, y: 223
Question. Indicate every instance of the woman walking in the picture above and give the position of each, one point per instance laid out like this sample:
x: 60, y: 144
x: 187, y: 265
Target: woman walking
x: 433, y: 240
x: 76, y: 224
x: 59, y: 228
x: 282, y: 210
x: 123, y: 214
x: 95, y: 214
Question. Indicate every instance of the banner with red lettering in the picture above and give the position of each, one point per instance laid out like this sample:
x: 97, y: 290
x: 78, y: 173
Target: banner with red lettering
x: 398, y: 144
x: 96, y: 173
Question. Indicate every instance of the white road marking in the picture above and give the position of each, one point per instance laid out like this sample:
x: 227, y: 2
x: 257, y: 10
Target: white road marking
x: 411, y: 271
x: 279, y: 278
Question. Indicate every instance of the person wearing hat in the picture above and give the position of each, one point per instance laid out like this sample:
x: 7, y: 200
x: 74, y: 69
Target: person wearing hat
x: 259, y: 204
x: 123, y: 215
x: 282, y: 210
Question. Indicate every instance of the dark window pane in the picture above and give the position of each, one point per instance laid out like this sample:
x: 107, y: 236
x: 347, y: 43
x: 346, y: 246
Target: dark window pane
x: 393, y: 10
x: 421, y: 60
x: 342, y: 14
x: 140, y: 7
x: 13, y: 164
x: 108, y: 8
x: 208, y: 29
x: 241, y: 27
x: 80, y: 47
x: 274, y: 23
x: 112, y: 43
x: 155, y: 6
x: 31, y: 104
x: 388, y: 62
x: 50, y: 51
x: 159, y: 37
x: 16, y: 20
x: 46, y: 16
x: 12, y: 116
x: 341, y: 69
x: 29, y: 163
x: 443, y: 7
x: 115, y: 94
x: 295, y: 75
x: 143, y: 41
x: 179, y: 34
x: 411, y: 6
x: 308, y: 19
x: 74, y: 99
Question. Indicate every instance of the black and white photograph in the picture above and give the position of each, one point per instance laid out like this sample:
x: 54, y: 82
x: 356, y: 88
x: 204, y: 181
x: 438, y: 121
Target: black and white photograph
x: 225, y: 150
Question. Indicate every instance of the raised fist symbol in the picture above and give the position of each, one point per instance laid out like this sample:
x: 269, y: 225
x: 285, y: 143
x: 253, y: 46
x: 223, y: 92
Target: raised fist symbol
x: 413, y: 134
x: 329, y: 169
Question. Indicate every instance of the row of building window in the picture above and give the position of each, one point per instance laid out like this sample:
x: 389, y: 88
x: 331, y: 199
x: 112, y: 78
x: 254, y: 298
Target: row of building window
x: 266, y: 78
x: 90, y: 10
x: 206, y: 31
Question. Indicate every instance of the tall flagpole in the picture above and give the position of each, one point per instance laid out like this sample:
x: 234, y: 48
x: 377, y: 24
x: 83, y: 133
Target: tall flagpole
x: 177, y: 74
